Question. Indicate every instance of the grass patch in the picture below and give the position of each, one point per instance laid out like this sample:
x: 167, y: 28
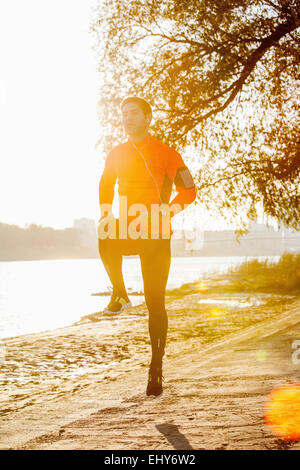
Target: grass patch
x: 282, y: 277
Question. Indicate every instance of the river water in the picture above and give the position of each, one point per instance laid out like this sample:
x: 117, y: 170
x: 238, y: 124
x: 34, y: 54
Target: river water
x: 47, y: 294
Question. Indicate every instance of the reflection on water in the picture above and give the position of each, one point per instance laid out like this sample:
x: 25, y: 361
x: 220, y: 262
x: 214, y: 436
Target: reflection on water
x: 47, y: 294
x: 237, y: 302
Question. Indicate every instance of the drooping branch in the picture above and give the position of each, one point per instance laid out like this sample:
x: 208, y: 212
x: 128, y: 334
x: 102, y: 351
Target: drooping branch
x: 234, y: 62
x: 266, y: 44
x: 235, y: 87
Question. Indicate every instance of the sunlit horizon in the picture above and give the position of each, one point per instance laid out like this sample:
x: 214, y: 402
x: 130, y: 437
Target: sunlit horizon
x: 49, y: 89
x: 48, y: 114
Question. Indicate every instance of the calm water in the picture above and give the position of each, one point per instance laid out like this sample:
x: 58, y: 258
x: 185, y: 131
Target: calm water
x: 47, y: 294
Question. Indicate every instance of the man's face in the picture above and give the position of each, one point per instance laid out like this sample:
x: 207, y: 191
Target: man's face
x: 135, y: 122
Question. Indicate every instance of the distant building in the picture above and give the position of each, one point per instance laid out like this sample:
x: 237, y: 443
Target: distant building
x: 84, y: 224
x: 290, y: 241
x: 259, y: 241
x: 87, y: 231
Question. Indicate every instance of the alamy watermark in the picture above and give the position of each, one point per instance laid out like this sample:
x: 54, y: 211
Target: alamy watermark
x: 138, y: 221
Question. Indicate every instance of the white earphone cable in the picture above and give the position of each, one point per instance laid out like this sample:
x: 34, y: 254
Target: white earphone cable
x: 146, y: 165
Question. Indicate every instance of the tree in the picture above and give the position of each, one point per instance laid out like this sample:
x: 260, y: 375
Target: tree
x: 222, y: 76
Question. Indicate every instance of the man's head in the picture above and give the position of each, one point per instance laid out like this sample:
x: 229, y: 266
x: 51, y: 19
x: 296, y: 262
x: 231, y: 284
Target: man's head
x: 136, y: 116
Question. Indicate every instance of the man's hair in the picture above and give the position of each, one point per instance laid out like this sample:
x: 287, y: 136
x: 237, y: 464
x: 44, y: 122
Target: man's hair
x: 143, y: 104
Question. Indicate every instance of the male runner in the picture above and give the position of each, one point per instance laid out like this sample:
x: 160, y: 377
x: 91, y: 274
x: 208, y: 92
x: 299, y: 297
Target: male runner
x: 146, y: 170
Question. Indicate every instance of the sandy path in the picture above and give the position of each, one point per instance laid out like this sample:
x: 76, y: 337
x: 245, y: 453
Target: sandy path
x: 216, y: 383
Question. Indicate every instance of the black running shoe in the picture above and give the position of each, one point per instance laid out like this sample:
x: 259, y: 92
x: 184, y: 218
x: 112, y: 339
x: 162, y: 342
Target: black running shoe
x: 154, y: 386
x: 116, y: 305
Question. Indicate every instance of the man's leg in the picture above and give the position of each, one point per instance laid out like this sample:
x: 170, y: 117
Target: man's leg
x: 155, y: 262
x: 111, y: 255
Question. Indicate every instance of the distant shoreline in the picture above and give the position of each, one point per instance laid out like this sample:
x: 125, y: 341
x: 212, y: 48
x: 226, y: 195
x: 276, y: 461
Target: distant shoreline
x: 5, y: 260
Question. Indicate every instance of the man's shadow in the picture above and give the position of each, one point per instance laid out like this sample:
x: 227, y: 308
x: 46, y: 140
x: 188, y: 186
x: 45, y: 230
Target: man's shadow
x: 174, y: 436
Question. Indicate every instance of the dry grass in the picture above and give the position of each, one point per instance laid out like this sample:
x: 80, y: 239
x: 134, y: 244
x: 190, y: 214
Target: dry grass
x: 282, y: 277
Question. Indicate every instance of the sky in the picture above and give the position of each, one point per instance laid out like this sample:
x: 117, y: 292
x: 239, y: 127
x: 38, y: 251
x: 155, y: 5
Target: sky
x: 49, y: 167
x: 49, y: 88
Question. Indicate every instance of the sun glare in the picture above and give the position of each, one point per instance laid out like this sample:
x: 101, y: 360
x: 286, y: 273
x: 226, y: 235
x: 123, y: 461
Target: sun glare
x: 202, y: 286
x: 216, y: 313
x: 282, y: 411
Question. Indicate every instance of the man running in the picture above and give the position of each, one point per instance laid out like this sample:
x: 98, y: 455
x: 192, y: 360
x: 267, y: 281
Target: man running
x: 146, y: 170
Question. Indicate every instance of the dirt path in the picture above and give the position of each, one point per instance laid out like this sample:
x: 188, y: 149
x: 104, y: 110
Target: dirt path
x: 213, y: 397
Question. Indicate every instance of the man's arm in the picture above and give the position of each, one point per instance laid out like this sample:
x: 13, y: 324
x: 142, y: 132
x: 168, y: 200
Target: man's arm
x: 185, y: 186
x: 107, y: 185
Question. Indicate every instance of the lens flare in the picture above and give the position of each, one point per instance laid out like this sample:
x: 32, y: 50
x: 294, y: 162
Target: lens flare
x: 282, y: 411
x: 217, y: 313
x: 261, y: 355
x: 202, y: 286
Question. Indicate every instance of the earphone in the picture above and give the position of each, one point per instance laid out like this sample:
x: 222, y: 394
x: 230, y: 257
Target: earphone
x: 148, y: 169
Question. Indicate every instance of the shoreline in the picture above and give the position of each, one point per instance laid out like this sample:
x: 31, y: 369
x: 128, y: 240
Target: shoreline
x: 205, y: 286
x: 212, y: 402
x: 67, y: 370
x: 19, y: 326
x: 197, y: 255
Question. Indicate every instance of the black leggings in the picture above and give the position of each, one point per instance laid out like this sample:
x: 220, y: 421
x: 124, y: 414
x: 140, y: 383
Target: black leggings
x: 155, y: 256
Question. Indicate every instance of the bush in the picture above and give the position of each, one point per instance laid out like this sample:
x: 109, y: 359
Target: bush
x: 269, y: 276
